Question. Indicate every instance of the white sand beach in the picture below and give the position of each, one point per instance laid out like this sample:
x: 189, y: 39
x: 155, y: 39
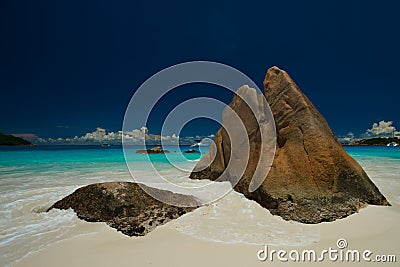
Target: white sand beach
x: 230, y: 231
x: 373, y: 228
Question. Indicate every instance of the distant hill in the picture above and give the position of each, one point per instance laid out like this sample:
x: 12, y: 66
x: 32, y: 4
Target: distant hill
x: 378, y: 141
x: 10, y: 140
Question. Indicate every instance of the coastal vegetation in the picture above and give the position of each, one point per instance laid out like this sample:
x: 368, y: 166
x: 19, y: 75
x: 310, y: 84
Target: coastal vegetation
x: 10, y: 140
x: 377, y: 141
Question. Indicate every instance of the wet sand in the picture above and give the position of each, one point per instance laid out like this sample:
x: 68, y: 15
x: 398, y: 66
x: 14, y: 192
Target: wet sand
x: 374, y: 228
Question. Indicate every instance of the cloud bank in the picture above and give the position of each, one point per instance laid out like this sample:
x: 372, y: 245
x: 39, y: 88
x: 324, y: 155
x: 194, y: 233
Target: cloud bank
x: 134, y: 137
x: 382, y: 128
x: 137, y: 136
x: 378, y: 129
x: 100, y: 135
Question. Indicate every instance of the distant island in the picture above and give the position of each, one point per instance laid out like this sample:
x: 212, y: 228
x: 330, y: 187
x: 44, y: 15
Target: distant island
x: 10, y: 140
x: 378, y: 141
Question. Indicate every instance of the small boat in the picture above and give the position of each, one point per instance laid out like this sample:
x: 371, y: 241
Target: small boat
x: 392, y: 144
x: 197, y: 144
x: 106, y: 141
x: 105, y: 144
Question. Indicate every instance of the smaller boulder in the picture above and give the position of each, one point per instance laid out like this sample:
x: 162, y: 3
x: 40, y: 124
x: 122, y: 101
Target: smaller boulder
x: 154, y: 150
x: 192, y: 151
x: 125, y: 206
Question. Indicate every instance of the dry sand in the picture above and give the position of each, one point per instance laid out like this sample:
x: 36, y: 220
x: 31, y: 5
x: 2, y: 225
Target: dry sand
x: 374, y: 228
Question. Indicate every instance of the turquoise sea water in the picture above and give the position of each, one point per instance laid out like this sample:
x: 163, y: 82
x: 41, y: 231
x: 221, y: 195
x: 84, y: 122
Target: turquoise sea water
x: 32, y: 178
x: 84, y: 159
x: 362, y: 152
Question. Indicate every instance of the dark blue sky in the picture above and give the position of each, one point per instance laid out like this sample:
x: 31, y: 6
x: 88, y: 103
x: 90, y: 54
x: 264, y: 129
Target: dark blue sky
x: 77, y: 63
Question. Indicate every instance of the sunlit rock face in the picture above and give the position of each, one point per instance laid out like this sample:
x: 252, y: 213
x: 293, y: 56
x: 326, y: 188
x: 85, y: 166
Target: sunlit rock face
x: 312, y: 179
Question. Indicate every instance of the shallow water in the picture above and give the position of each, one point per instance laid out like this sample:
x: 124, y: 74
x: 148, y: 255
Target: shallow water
x: 33, y: 178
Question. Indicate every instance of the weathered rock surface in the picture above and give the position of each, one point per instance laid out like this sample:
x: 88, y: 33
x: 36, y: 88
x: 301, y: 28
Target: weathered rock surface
x: 124, y: 206
x: 312, y: 179
x: 154, y: 150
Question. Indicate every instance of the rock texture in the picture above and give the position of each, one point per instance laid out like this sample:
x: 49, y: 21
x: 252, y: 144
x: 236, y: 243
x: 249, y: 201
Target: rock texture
x: 154, y: 150
x: 124, y: 206
x: 312, y: 178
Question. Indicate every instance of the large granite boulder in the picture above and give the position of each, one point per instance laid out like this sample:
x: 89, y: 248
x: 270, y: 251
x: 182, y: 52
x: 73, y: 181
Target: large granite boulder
x: 125, y: 206
x: 312, y: 179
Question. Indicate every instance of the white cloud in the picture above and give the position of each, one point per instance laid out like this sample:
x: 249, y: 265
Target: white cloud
x: 347, y: 139
x: 382, y: 128
x: 378, y: 129
x: 144, y: 129
x: 100, y: 135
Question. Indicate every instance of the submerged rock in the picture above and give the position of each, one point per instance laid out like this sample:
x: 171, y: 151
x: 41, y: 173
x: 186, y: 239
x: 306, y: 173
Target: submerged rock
x: 312, y: 179
x: 154, y: 150
x: 124, y: 206
x: 191, y: 151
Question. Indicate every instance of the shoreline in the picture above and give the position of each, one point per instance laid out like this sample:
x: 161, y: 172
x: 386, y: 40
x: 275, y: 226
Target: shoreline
x: 373, y: 228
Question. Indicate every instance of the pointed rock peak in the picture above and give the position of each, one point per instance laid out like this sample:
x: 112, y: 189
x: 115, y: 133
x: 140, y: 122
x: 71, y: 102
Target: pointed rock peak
x: 312, y: 178
x: 275, y: 74
x: 274, y: 70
